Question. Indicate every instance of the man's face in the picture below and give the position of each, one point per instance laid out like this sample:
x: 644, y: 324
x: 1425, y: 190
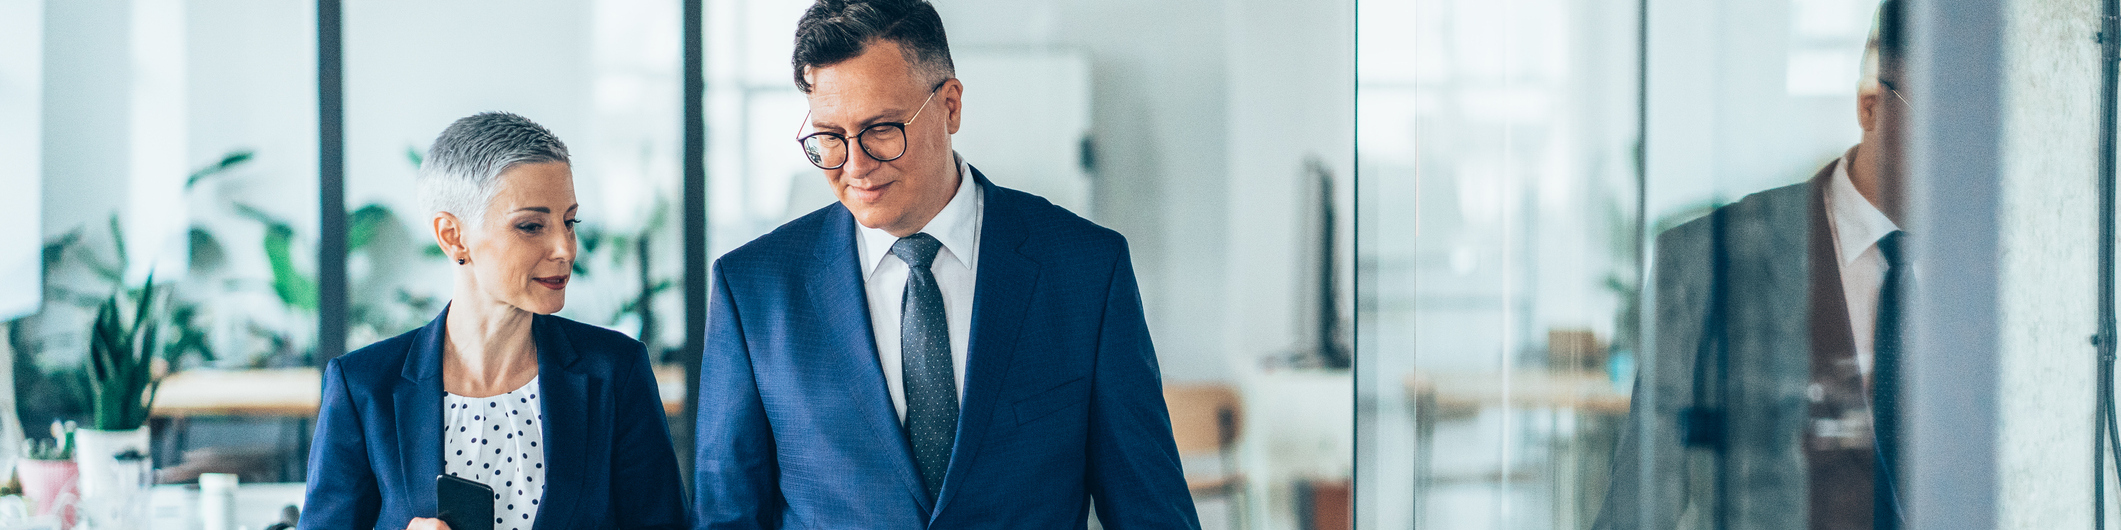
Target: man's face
x: 1883, y: 112
x: 879, y: 86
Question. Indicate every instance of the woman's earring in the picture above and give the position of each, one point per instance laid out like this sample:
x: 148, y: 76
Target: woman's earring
x: 460, y: 261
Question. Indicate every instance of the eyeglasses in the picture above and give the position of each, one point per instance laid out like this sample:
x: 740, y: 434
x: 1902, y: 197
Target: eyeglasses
x: 883, y: 142
x: 1896, y: 92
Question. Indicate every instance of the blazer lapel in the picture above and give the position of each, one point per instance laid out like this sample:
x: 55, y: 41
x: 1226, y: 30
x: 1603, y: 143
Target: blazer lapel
x: 1000, y: 294
x: 417, y: 405
x: 1832, y: 333
x: 566, y: 424
x: 837, y: 288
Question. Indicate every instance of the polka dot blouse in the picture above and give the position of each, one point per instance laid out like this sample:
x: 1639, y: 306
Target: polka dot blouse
x: 499, y: 441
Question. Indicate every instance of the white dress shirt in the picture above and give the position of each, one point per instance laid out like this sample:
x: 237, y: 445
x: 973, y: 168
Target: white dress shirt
x: 1857, y: 225
x: 955, y: 267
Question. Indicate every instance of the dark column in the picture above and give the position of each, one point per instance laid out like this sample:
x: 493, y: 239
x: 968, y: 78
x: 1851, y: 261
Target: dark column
x: 331, y: 185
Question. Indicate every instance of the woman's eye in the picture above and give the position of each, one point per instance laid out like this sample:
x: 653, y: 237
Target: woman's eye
x: 529, y: 227
x: 572, y: 222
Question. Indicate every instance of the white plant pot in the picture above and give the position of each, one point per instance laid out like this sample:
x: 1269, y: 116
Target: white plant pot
x: 102, y: 475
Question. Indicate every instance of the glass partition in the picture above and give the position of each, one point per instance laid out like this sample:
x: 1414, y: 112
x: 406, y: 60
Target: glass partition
x: 1552, y: 335
x: 178, y: 147
x: 601, y: 74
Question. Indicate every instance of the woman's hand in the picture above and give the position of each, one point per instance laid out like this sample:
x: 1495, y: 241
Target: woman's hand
x: 423, y: 523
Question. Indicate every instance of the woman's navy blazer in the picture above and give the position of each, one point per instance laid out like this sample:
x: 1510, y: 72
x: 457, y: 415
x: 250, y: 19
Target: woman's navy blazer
x: 378, y: 445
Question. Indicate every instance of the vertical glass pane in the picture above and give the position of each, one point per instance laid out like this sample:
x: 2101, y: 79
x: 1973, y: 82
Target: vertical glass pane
x: 1533, y: 302
x: 601, y: 74
x: 177, y: 142
x: 1498, y: 147
x: 166, y: 145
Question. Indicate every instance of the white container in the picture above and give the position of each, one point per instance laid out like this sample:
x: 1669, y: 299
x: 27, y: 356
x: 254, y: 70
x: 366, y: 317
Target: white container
x: 217, y: 501
x: 96, y: 451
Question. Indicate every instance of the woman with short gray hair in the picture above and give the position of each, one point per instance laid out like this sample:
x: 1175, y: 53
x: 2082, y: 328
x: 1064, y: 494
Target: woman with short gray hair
x: 561, y: 420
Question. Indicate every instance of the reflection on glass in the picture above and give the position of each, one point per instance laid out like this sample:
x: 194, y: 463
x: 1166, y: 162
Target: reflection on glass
x: 1511, y: 354
x: 1777, y: 347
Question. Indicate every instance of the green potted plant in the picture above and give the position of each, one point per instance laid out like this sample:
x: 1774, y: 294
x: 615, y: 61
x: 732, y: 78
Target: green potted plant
x: 122, y: 349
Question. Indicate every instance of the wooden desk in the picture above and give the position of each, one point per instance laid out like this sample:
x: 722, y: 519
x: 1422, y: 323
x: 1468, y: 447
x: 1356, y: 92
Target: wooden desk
x: 1591, y: 391
x: 1581, y: 461
x: 274, y: 392
x: 295, y: 392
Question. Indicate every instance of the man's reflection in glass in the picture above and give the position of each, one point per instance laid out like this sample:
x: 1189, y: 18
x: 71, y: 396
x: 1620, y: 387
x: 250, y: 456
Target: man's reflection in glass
x: 1777, y: 345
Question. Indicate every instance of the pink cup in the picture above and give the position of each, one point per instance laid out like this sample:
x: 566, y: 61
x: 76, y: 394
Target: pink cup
x: 51, y: 486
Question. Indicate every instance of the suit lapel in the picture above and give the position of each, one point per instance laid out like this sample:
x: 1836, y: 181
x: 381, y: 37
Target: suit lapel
x: 566, y: 407
x: 1832, y: 333
x: 1001, y: 292
x: 417, y: 405
x: 837, y: 289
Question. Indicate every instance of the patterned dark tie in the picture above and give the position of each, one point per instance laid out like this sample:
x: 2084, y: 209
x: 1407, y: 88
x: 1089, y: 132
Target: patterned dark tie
x: 924, y: 355
x: 1885, y: 384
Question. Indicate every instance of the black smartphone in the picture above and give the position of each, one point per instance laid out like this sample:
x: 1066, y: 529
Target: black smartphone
x: 463, y: 504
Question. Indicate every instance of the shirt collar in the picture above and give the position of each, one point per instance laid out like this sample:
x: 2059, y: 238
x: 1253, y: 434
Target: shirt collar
x: 956, y: 226
x: 1856, y: 222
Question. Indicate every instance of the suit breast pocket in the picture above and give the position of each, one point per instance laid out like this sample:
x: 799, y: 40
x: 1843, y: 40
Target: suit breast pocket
x: 1051, y: 400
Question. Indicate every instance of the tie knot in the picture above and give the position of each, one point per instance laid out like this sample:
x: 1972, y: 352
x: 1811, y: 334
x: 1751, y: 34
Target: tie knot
x: 1889, y: 246
x: 917, y: 250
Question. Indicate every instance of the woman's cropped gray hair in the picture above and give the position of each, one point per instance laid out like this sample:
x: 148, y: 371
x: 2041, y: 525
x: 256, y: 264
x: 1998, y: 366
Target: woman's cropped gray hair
x: 462, y: 170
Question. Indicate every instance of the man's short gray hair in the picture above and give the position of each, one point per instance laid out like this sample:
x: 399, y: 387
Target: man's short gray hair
x: 462, y: 171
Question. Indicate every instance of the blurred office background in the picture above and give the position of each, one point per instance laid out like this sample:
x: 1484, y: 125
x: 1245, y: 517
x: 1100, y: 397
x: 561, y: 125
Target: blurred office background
x: 1390, y: 250
x: 196, y: 136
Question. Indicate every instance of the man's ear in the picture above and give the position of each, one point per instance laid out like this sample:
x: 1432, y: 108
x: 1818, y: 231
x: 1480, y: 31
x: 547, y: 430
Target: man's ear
x: 449, y: 234
x: 1867, y: 108
x: 953, y: 96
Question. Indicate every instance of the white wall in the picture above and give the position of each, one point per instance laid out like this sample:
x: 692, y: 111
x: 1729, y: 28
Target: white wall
x: 2049, y: 266
x: 1292, y: 83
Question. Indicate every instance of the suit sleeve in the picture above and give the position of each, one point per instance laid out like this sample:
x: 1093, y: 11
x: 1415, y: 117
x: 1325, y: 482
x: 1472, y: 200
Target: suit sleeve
x: 1650, y: 480
x: 736, y: 472
x: 645, y: 490
x: 1134, y: 472
x: 342, y: 487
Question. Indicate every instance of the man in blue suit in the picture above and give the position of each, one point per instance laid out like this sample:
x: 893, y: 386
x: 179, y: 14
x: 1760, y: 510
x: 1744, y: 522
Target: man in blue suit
x: 933, y: 351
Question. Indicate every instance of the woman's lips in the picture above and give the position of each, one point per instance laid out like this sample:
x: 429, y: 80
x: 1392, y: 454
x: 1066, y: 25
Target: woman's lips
x: 555, y: 283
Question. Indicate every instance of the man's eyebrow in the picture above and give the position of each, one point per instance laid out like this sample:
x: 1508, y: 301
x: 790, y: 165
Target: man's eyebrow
x: 866, y: 122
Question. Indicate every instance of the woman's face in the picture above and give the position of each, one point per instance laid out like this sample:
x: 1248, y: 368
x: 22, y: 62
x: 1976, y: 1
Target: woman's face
x: 522, y: 251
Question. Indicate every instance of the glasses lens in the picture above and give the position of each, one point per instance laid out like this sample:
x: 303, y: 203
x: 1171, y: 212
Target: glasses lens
x: 884, y: 142
x: 825, y: 151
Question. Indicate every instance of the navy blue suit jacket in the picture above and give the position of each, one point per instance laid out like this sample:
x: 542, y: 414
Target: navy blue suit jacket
x: 1063, y: 401
x: 608, y: 458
